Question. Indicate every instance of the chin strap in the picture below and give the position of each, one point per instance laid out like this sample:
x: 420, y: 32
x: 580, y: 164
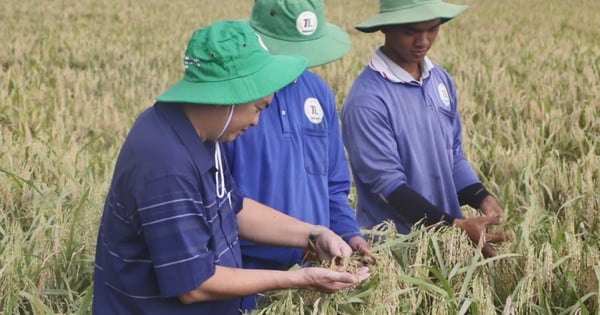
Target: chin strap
x: 219, y: 174
x: 226, y: 123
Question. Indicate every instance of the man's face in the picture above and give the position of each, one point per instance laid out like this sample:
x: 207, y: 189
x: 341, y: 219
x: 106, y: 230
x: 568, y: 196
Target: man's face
x: 244, y: 116
x: 408, y: 44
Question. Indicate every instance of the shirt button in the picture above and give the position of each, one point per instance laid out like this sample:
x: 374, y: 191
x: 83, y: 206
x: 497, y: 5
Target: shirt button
x: 283, y: 112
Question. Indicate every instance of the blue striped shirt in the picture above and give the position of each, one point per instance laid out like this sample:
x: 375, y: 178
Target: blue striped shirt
x: 163, y: 229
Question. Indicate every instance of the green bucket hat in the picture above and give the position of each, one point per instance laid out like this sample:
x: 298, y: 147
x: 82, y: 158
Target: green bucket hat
x: 227, y: 63
x: 392, y: 12
x: 299, y: 27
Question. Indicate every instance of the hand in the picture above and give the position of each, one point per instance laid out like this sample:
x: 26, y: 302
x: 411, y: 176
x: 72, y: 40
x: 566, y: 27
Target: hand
x: 490, y: 207
x: 476, y: 230
x: 330, y: 281
x: 360, y: 245
x: 330, y: 245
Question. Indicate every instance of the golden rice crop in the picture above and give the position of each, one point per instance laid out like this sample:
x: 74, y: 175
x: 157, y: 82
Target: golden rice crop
x: 74, y: 75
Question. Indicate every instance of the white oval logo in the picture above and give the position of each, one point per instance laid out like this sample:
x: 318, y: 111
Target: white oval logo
x: 313, y: 110
x: 306, y: 23
x: 444, y: 96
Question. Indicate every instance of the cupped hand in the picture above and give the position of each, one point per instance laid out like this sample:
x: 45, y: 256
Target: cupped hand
x: 330, y: 281
x: 363, y: 248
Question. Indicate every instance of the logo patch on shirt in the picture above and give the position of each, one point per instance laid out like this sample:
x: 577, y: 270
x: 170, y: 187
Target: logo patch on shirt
x: 306, y: 23
x: 444, y: 96
x: 313, y: 110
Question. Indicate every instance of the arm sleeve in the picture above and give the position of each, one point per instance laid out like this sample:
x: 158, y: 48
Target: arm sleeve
x: 463, y: 173
x: 473, y: 195
x: 342, y: 217
x: 173, y: 223
x: 415, y: 207
x: 380, y: 167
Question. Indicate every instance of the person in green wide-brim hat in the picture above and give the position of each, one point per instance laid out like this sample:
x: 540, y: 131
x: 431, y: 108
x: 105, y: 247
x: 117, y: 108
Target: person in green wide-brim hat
x: 299, y: 27
x: 168, y: 242
x: 403, y: 134
x: 298, y: 138
x: 393, y: 12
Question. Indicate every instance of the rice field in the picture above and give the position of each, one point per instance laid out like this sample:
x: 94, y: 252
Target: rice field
x: 75, y: 74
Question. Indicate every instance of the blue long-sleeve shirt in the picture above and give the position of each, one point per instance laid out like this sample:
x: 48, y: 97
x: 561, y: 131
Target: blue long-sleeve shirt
x: 404, y: 132
x: 294, y: 161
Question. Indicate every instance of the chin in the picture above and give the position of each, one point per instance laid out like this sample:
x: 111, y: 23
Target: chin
x: 231, y: 137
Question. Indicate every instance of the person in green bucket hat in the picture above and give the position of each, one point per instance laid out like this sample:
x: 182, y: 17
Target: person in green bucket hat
x: 402, y: 130
x: 168, y: 242
x: 299, y: 139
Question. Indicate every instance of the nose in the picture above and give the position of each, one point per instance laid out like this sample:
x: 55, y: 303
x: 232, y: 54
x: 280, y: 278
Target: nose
x: 422, y: 39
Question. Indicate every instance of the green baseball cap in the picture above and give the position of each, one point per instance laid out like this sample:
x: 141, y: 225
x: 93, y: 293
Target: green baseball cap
x: 227, y: 63
x: 299, y: 27
x: 393, y: 12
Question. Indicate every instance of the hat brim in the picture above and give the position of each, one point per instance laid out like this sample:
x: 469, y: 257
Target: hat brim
x: 333, y: 45
x: 421, y: 13
x: 279, y: 72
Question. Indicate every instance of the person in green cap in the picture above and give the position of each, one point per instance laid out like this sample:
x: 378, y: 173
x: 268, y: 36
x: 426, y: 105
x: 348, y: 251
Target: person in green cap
x: 168, y: 242
x: 294, y: 161
x: 402, y: 130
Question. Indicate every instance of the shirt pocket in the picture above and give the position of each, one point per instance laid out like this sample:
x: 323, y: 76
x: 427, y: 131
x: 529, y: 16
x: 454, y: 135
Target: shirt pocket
x: 315, y: 151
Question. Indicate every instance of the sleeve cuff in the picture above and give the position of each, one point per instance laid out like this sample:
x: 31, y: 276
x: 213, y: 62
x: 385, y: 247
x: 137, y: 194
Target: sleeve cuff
x: 415, y: 207
x: 473, y: 195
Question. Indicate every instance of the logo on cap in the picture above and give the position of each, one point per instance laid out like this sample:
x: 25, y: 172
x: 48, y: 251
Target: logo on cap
x: 306, y: 23
x: 188, y: 61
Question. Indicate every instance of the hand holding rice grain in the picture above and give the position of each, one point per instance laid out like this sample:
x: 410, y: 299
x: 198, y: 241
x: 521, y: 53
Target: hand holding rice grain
x: 476, y: 229
x: 330, y: 281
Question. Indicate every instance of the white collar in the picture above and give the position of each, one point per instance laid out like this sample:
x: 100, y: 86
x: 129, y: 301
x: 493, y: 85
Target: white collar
x: 391, y: 71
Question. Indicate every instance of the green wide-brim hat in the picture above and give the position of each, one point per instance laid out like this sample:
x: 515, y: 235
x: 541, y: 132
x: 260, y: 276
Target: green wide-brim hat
x: 227, y: 63
x: 393, y: 12
x: 299, y: 27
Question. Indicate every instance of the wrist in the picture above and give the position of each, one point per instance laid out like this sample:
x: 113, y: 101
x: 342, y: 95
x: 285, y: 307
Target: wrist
x: 295, y: 279
x: 487, y: 203
x: 314, y: 235
x: 457, y: 223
